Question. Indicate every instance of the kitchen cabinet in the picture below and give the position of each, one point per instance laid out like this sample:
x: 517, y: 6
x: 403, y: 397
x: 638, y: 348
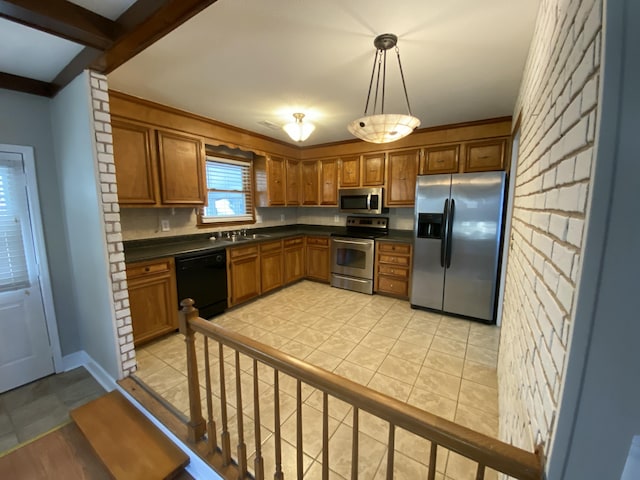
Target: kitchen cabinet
x: 270, y: 175
x: 293, y: 183
x: 271, y: 266
x: 373, y: 169
x: 243, y: 270
x: 156, y: 167
x: 393, y: 268
x: 329, y: 182
x: 350, y: 171
x: 152, y: 299
x: 485, y: 155
x: 318, y: 259
x: 440, y: 159
x: 293, y: 251
x: 402, y: 170
x: 309, y: 173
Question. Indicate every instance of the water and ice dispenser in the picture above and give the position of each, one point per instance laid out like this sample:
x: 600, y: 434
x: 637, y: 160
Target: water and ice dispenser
x: 430, y: 225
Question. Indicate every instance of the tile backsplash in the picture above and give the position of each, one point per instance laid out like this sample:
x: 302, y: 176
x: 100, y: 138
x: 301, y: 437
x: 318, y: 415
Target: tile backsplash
x: 139, y: 223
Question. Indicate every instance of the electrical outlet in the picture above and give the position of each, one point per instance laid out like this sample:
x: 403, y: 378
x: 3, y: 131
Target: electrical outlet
x: 164, y: 225
x: 282, y: 217
x: 258, y: 218
x: 336, y: 218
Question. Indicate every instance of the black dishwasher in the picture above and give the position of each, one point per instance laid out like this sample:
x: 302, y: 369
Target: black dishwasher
x: 202, y: 276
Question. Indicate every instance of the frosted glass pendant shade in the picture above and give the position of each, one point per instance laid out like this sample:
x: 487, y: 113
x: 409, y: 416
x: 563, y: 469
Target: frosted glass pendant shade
x: 383, y: 128
x: 299, y: 131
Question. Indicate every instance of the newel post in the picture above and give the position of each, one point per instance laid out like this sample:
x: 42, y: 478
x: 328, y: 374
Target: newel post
x: 197, y: 425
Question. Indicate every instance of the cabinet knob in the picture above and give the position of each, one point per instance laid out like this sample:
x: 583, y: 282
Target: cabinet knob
x: 146, y: 269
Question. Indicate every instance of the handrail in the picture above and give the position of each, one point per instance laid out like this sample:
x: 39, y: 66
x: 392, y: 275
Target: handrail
x: 484, y: 450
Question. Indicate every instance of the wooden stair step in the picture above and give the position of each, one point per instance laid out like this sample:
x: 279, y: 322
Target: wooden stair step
x: 129, y: 445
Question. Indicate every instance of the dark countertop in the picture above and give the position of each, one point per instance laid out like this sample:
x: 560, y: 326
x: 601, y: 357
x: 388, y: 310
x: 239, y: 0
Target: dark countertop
x: 152, y: 248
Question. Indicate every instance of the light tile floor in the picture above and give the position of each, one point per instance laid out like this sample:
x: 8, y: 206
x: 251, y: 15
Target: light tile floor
x: 441, y: 364
x: 33, y: 409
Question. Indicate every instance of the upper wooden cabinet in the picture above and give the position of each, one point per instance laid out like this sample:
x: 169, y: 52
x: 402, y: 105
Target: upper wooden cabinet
x: 350, y: 171
x: 402, y: 170
x: 134, y: 154
x: 329, y: 182
x: 157, y: 167
x: 442, y: 159
x: 293, y: 182
x: 309, y: 173
x: 485, y: 155
x: 373, y: 169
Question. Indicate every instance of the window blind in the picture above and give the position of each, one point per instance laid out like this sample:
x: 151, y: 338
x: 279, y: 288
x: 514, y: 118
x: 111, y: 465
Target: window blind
x: 229, y: 191
x: 14, y: 272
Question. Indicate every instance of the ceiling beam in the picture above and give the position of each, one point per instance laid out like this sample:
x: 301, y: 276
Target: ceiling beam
x: 26, y: 85
x: 63, y: 19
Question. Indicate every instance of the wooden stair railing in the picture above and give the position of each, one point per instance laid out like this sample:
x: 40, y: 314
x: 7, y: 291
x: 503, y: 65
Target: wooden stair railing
x: 485, y: 451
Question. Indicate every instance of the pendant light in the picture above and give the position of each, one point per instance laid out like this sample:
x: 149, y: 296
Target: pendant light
x: 383, y: 127
x: 298, y: 130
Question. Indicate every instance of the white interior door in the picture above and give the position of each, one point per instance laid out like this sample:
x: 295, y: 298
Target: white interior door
x: 25, y: 349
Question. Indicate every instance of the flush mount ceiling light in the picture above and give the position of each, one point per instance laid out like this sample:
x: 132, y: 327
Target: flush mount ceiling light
x: 298, y: 130
x: 383, y: 127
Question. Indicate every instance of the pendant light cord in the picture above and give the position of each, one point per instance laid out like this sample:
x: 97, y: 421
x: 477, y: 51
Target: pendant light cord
x: 406, y: 95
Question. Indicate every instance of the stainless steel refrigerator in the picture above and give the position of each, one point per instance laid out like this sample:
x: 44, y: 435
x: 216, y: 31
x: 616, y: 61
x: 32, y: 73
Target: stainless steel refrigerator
x: 457, y: 241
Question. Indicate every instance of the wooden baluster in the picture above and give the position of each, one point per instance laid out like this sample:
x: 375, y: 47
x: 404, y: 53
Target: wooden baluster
x: 211, y: 424
x: 355, y: 445
x: 259, y: 462
x: 278, y: 475
x: 325, y: 436
x: 432, y: 461
x: 224, y: 438
x: 299, y: 447
x: 480, y: 472
x: 391, y: 450
x: 197, y: 426
x: 242, y: 447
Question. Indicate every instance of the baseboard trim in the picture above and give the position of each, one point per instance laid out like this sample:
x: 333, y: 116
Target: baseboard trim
x: 82, y: 359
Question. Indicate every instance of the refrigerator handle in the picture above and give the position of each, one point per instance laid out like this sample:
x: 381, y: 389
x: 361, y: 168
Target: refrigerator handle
x: 443, y: 241
x: 449, y: 231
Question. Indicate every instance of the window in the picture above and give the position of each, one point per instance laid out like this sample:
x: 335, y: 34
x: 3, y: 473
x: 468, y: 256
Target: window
x: 229, y: 191
x: 14, y: 273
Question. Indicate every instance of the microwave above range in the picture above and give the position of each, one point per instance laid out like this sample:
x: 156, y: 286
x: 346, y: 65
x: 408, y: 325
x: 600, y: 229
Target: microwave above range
x: 361, y: 200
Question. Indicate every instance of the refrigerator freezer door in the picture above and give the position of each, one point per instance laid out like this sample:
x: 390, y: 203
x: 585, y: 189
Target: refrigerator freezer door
x: 427, y: 281
x: 471, y: 280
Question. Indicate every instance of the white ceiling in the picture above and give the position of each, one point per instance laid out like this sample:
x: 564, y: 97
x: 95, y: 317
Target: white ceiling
x: 252, y: 63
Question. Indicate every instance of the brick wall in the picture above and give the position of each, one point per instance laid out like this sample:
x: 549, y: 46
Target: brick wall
x: 558, y: 102
x: 111, y: 214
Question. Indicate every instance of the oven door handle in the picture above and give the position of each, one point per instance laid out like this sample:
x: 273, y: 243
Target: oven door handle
x: 351, y: 279
x: 364, y: 244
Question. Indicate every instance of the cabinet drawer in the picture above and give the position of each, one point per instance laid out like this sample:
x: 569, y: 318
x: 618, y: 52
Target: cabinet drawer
x: 270, y: 247
x: 243, y: 251
x: 148, y: 268
x: 322, y: 241
x: 394, y: 259
x: 395, y: 271
x: 393, y: 285
x: 292, y: 242
x: 402, y: 248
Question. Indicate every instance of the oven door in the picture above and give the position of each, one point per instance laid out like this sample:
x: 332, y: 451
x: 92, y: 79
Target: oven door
x: 352, y: 257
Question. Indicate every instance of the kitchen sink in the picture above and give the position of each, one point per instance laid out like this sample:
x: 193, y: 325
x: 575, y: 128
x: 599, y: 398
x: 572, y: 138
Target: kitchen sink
x: 237, y: 238
x: 259, y: 235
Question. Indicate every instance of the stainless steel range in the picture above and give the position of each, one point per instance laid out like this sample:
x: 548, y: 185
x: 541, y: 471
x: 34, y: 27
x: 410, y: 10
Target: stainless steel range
x: 353, y: 253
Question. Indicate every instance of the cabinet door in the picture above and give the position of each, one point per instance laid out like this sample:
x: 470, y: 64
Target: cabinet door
x: 294, y: 263
x: 329, y: 182
x: 244, y: 279
x: 485, y: 156
x: 350, y: 171
x: 440, y: 160
x: 293, y: 182
x: 318, y: 257
x: 310, y: 182
x: 271, y: 271
x: 152, y: 299
x: 181, y: 169
x: 275, y: 181
x: 134, y: 159
x: 373, y: 169
x: 402, y: 170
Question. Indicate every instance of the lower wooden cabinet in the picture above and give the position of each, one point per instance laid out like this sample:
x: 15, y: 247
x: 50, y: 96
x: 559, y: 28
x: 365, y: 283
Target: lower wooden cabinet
x: 243, y: 270
x: 293, y: 251
x: 393, y: 269
x: 152, y: 299
x: 271, y: 266
x: 318, y: 259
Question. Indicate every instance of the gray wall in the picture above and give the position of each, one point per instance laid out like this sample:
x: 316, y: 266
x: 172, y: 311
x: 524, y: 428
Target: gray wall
x: 75, y: 154
x: 26, y: 120
x: 600, y: 413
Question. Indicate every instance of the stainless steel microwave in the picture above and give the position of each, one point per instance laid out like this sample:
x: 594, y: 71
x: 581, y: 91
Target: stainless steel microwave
x: 360, y: 200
